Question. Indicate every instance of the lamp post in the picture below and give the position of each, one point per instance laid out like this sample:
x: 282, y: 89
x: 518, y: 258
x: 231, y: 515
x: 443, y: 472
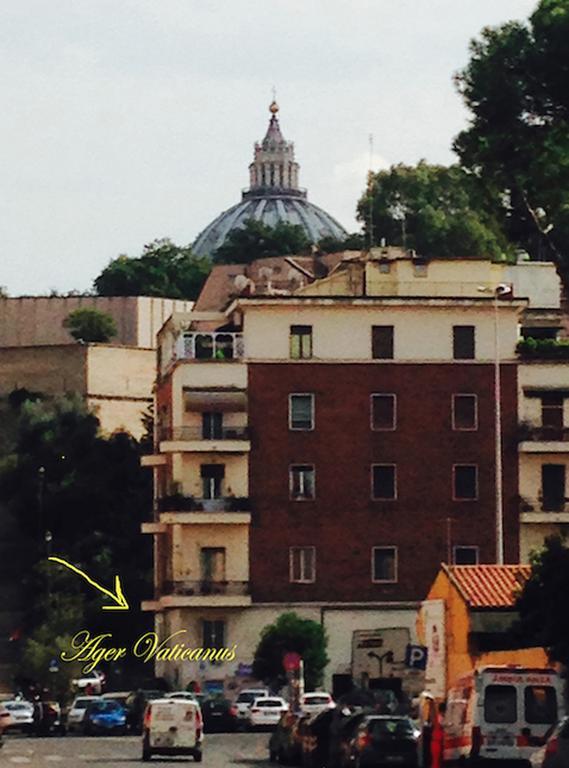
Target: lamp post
x: 499, y: 290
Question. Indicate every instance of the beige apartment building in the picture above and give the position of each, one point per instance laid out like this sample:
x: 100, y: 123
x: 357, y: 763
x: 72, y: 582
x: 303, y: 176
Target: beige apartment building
x: 266, y: 448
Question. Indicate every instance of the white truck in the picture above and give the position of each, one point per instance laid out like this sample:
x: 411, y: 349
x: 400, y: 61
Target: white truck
x: 172, y: 727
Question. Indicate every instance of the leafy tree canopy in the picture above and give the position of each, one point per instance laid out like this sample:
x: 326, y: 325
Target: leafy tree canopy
x: 436, y: 210
x: 515, y: 86
x: 544, y: 618
x: 163, y: 269
x: 353, y: 242
x: 291, y: 633
x: 256, y: 240
x: 90, y: 325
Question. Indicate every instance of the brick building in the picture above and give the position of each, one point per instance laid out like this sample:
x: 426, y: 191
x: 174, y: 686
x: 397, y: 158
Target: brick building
x: 324, y: 450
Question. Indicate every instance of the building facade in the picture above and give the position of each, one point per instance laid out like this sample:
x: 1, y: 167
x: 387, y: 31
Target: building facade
x: 324, y: 451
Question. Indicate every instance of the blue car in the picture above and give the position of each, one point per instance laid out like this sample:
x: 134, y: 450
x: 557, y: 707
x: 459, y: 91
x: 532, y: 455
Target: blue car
x: 104, y: 717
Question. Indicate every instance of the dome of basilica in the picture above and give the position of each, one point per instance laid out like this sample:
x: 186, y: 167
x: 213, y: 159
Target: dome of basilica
x: 273, y: 196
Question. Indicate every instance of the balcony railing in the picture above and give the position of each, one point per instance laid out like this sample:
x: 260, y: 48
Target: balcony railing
x: 197, y: 433
x: 177, y: 502
x: 553, y: 504
x: 206, y: 587
x: 534, y: 433
x: 210, y: 346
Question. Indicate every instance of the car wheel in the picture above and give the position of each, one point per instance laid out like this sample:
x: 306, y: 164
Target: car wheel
x: 198, y: 756
x: 146, y: 751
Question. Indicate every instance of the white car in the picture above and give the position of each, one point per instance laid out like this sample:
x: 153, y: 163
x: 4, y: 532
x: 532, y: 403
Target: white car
x: 244, y: 701
x: 21, y: 715
x: 94, y: 679
x: 77, y: 712
x: 317, y: 701
x: 266, y: 711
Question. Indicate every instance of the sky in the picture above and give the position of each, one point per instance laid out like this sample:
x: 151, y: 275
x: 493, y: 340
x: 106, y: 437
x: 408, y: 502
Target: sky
x: 129, y: 120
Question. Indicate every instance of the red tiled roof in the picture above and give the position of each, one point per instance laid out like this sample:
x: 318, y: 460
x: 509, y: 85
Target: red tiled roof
x: 488, y: 586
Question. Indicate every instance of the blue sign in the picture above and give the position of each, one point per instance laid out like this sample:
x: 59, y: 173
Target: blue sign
x: 416, y: 656
x: 244, y: 670
x: 53, y: 666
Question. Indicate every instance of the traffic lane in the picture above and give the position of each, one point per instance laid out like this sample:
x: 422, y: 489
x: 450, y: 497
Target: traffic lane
x: 219, y: 750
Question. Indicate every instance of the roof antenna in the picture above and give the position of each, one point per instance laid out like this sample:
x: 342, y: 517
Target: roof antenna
x: 369, y: 193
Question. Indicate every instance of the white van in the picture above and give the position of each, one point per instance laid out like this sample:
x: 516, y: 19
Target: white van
x: 172, y: 727
x: 501, y: 713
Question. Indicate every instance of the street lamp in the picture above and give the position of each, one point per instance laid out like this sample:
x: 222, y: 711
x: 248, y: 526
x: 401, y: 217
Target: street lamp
x: 499, y: 290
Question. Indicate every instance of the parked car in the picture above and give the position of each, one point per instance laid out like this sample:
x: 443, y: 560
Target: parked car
x: 136, y: 705
x: 104, y: 716
x: 219, y: 715
x: 312, y: 703
x: 91, y: 683
x: 385, y: 740
x: 266, y: 711
x: 316, y: 738
x: 285, y: 744
x: 172, y: 727
x: 77, y: 712
x: 244, y: 701
x: 21, y: 715
x: 343, y: 727
x: 187, y: 695
x: 556, y: 753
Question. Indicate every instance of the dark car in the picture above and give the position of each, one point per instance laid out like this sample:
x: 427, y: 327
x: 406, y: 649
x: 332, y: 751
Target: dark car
x: 285, y: 744
x: 342, y: 731
x: 219, y: 715
x: 557, y: 747
x: 316, y: 740
x: 136, y: 704
x: 383, y: 740
x: 104, y: 717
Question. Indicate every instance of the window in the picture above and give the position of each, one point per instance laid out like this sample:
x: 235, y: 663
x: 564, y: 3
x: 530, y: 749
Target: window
x: 212, y: 426
x: 212, y: 478
x: 464, y: 412
x: 302, y: 482
x: 383, y: 481
x: 213, y: 634
x: 420, y: 269
x: 553, y: 486
x: 552, y: 410
x: 500, y: 704
x: 384, y: 564
x: 383, y: 412
x: 300, y: 342
x: 540, y: 704
x: 302, y: 564
x: 465, y: 555
x: 301, y: 412
x: 463, y: 344
x: 465, y: 482
x: 212, y: 564
x: 382, y: 342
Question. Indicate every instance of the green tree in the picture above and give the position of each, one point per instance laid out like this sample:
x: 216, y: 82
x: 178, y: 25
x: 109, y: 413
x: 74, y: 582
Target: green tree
x: 163, y: 269
x: 542, y: 604
x: 352, y: 242
x: 433, y: 209
x: 58, y: 473
x: 291, y: 633
x: 256, y: 240
x: 90, y: 325
x: 517, y: 143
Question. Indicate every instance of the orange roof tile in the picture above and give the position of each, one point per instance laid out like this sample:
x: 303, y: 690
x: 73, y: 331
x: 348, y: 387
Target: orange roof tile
x: 488, y: 586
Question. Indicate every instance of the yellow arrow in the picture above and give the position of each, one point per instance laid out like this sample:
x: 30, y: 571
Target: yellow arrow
x: 118, y: 597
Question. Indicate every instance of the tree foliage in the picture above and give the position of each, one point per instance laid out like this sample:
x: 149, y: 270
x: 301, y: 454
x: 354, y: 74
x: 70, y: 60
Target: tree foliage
x: 90, y: 325
x: 544, y: 618
x: 59, y: 474
x: 291, y: 633
x: 433, y: 209
x: 352, y: 242
x: 517, y: 143
x: 163, y: 269
x: 257, y: 240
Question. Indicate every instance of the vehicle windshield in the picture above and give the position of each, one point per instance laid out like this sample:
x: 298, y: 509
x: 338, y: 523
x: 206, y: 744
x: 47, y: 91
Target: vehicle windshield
x: 14, y: 705
x: 246, y: 698
x: 500, y: 704
x: 391, y: 728
x: 106, y: 706
x: 316, y: 699
x: 268, y: 703
x: 81, y: 703
x: 540, y: 704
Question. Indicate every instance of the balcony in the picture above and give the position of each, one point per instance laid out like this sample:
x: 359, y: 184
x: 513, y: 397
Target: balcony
x: 540, y: 439
x: 222, y: 346
x: 193, y: 439
x: 222, y: 594
x: 540, y: 510
x: 228, y: 510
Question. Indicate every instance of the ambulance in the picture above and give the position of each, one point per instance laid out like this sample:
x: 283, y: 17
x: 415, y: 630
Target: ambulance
x: 501, y: 713
x: 172, y: 727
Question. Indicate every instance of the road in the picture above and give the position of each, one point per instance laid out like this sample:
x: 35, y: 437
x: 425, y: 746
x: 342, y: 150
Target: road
x: 220, y: 750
